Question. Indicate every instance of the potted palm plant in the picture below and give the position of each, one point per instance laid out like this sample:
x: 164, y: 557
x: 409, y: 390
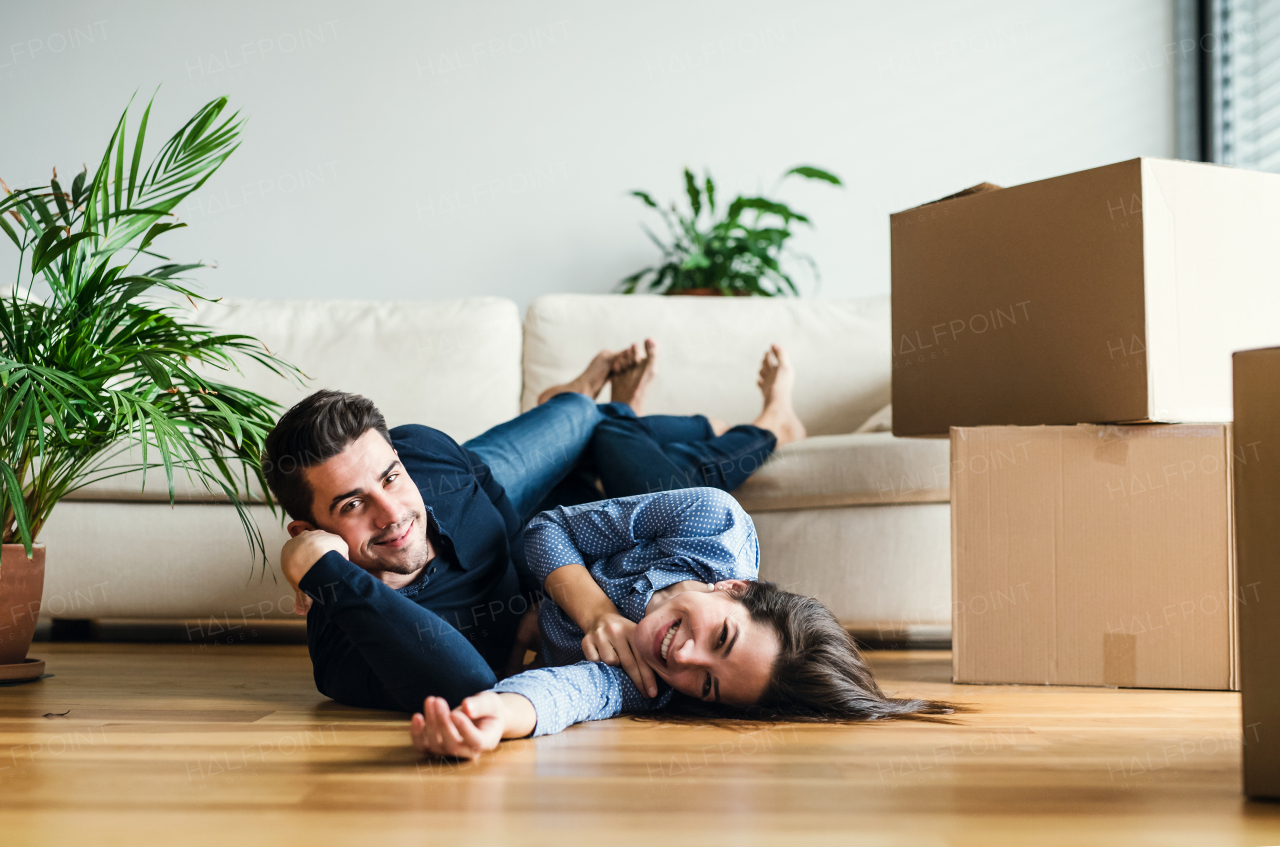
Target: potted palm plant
x: 737, y: 253
x: 97, y: 358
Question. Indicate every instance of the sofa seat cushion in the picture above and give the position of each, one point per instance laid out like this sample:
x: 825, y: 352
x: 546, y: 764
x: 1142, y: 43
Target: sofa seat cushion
x: 850, y: 470
x: 711, y: 347
x: 450, y: 364
x: 883, y: 572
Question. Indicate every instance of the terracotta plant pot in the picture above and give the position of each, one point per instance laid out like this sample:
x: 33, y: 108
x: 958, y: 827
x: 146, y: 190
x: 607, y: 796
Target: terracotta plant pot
x: 21, y: 587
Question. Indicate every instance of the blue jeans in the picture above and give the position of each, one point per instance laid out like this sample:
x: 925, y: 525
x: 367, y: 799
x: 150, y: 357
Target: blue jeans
x: 635, y: 455
x: 542, y: 460
x: 533, y: 453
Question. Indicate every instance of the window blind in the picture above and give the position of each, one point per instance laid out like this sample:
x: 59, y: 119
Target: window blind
x: 1242, y: 48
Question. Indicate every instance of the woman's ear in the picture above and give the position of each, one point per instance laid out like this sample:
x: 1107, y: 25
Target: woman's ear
x: 296, y: 528
x: 735, y: 587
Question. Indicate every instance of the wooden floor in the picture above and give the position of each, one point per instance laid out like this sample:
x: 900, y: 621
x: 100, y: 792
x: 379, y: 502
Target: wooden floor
x: 184, y: 745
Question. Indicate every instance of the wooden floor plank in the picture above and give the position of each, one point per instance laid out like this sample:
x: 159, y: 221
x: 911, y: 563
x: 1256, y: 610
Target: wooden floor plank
x: 174, y: 744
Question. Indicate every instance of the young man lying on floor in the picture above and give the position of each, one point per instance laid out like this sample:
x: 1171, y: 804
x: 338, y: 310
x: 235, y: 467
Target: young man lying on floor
x: 407, y: 549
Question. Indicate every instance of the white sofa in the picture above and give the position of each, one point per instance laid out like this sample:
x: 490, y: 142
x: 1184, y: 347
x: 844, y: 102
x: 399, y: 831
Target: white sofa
x: 860, y: 521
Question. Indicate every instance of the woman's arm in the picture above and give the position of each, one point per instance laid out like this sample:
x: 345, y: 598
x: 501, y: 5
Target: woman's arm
x: 587, y: 691
x: 605, y: 631
x: 539, y: 702
x: 703, y: 518
x: 574, y: 590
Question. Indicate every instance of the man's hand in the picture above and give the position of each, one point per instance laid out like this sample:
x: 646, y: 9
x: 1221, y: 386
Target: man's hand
x: 466, y: 732
x: 608, y: 640
x: 300, y: 553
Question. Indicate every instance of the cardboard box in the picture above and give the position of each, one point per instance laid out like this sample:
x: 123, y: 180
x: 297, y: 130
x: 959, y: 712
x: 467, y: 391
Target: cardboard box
x: 1110, y: 295
x: 1093, y: 555
x: 1257, y: 530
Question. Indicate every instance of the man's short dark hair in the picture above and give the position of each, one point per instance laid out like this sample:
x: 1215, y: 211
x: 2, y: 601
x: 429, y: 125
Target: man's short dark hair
x: 318, y: 428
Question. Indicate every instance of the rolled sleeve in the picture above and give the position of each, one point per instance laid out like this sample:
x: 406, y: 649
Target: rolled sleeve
x: 587, y: 691
x: 548, y: 545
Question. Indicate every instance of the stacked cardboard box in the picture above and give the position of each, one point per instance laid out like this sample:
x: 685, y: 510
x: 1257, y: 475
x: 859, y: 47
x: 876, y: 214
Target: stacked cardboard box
x: 1093, y: 555
x: 1112, y: 295
x: 1257, y: 526
x: 1029, y: 323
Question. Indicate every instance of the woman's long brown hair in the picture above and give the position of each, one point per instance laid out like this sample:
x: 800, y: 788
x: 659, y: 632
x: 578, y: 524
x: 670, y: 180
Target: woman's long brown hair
x: 819, y: 675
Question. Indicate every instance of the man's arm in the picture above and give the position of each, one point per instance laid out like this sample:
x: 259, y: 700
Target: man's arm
x: 301, y: 552
x: 410, y: 650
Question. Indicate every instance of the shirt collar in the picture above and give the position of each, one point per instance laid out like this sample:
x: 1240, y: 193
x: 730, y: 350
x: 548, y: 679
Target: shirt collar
x: 643, y: 589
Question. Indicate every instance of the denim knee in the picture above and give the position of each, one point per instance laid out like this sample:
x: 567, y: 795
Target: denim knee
x: 614, y: 410
x: 611, y: 427
x: 581, y: 408
x: 578, y: 402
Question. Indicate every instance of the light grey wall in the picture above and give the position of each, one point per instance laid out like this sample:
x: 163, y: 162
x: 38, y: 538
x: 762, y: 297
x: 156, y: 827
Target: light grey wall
x: 423, y: 150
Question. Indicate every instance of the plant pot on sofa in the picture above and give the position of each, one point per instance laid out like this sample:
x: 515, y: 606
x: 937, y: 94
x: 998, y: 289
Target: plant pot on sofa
x: 737, y: 250
x: 21, y: 587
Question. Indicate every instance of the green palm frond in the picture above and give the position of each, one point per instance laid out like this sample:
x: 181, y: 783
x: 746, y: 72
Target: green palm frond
x: 105, y: 362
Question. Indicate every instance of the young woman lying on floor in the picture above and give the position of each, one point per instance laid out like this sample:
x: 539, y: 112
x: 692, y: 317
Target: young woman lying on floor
x: 658, y: 594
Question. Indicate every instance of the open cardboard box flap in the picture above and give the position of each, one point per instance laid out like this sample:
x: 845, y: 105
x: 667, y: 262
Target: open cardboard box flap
x: 971, y: 190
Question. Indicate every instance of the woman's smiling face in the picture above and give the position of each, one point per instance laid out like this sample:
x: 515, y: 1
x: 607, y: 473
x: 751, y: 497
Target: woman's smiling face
x: 703, y: 643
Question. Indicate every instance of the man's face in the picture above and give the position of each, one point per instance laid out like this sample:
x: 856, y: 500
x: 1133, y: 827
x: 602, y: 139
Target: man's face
x: 364, y: 495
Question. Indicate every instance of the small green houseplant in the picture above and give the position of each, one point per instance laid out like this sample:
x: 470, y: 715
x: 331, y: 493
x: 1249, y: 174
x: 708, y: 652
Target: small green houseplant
x: 96, y: 358
x: 737, y: 253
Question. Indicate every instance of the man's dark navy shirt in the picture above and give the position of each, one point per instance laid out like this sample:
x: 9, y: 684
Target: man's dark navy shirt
x: 446, y: 633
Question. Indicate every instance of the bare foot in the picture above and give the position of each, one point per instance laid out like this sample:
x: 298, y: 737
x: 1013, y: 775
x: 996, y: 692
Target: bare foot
x: 633, y: 372
x: 718, y: 426
x: 590, y: 382
x: 776, y: 382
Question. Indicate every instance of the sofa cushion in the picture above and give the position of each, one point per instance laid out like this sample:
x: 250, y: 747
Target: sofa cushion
x: 711, y: 347
x: 883, y: 572
x: 881, y: 421
x: 850, y: 470
x: 450, y: 364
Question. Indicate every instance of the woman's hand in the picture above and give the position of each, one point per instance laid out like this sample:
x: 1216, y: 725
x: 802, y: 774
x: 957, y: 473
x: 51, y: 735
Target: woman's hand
x: 608, y: 640
x: 466, y: 732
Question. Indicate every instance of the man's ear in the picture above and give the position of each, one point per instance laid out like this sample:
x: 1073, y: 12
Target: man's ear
x: 296, y: 528
x: 735, y: 587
